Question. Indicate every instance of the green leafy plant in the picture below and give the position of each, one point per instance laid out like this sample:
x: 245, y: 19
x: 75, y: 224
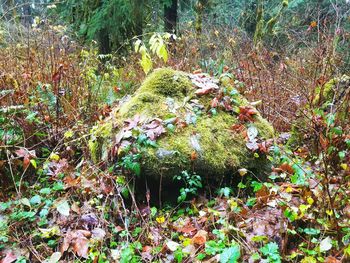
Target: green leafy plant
x: 192, y: 183
x: 157, y: 46
x: 271, y: 252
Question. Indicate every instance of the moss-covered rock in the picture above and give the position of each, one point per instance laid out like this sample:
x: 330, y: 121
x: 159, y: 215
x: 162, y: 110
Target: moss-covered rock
x: 190, y: 118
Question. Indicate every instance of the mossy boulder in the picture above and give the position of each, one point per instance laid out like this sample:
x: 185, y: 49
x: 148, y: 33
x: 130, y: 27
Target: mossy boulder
x: 193, y: 122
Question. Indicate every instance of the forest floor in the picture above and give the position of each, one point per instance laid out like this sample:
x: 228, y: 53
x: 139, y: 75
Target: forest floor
x: 56, y: 205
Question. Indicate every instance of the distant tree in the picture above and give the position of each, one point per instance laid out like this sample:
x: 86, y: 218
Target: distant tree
x: 170, y: 16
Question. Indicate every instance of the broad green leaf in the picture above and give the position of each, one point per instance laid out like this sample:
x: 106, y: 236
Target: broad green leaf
x: 311, y: 231
x: 231, y: 254
x: 35, y: 200
x: 45, y: 191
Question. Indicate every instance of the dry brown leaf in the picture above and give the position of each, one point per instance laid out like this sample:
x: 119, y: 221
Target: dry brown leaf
x: 10, y: 257
x: 200, y: 238
x: 347, y: 211
x: 188, y: 229
x: 331, y: 259
x: 81, y: 246
x: 263, y: 194
x: 78, y: 241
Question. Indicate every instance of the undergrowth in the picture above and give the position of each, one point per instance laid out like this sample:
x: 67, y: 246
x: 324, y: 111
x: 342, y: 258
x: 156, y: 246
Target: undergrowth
x: 59, y: 204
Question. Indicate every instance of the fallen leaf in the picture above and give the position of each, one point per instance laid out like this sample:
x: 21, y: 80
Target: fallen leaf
x: 214, y: 103
x: 10, y: 257
x: 200, y: 238
x: 54, y: 258
x: 326, y: 244
x: 204, y: 91
x: 247, y: 113
x: 252, y: 132
x: 89, y: 219
x: 98, y: 234
x: 172, y: 246
x: 78, y: 241
x: 63, y: 208
x: 331, y: 259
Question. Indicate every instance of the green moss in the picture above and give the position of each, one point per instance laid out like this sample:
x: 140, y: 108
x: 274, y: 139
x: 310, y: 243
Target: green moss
x: 150, y: 98
x: 324, y: 93
x: 98, y: 143
x: 334, y: 91
x: 265, y: 129
x: 222, y: 150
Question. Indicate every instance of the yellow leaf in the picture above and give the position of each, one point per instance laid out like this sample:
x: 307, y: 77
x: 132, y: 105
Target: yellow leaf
x: 186, y: 242
x: 146, y: 63
x: 329, y: 212
x: 344, y: 166
x: 242, y: 171
x: 68, y: 134
x: 160, y: 219
x: 50, y: 232
x: 54, y: 157
x: 289, y: 189
x: 303, y: 209
x: 310, y: 201
x: 309, y: 260
x: 163, y: 53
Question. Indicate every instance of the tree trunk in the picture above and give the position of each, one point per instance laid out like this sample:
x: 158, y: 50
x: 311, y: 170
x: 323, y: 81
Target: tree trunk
x: 200, y: 7
x: 104, y: 42
x: 170, y: 17
x: 138, y: 17
x: 27, y: 14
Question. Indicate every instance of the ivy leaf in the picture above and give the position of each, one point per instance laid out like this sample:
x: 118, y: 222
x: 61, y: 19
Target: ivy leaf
x: 63, y: 208
x: 252, y: 132
x: 326, y: 244
x: 35, y: 200
x: 311, y: 231
x: 271, y: 251
x: 231, y: 254
x: 55, y: 257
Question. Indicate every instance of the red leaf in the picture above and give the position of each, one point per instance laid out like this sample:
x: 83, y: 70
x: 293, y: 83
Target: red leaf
x: 246, y: 113
x: 26, y: 162
x: 194, y: 156
x: 56, y: 77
